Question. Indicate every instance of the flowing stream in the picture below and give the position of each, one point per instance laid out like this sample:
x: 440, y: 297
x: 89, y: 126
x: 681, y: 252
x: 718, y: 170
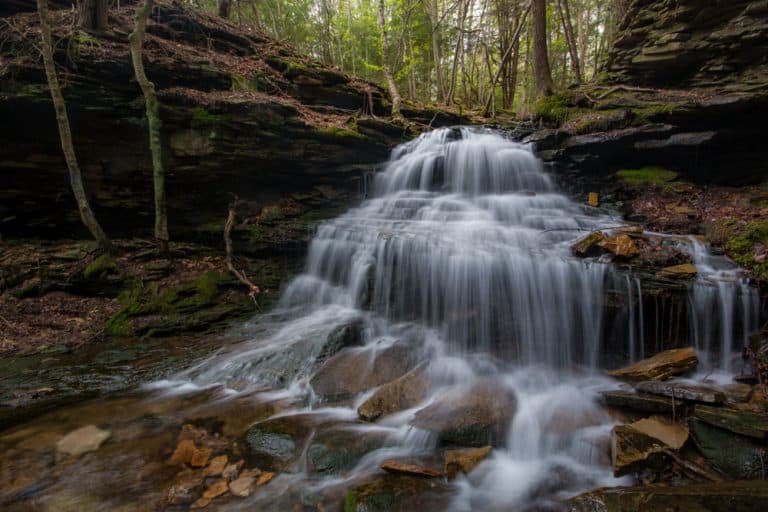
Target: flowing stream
x: 459, y: 267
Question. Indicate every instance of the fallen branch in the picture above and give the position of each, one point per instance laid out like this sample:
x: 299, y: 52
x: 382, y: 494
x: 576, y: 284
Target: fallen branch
x: 253, y: 290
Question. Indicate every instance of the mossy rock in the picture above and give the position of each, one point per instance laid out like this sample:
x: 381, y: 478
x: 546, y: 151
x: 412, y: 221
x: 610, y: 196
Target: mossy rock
x: 732, y: 454
x: 555, y: 108
x: 398, y: 493
x: 646, y: 176
x: 338, y: 132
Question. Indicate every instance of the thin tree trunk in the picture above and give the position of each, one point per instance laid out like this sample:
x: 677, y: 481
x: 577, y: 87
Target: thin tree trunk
x: 65, y: 134
x: 225, y: 6
x: 136, y: 40
x: 326, y: 42
x: 504, y: 58
x: 388, y: 75
x: 434, y: 19
x: 458, y: 51
x: 541, y: 72
x: 565, y: 17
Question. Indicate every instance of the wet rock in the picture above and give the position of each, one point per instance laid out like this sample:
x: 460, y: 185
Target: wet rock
x: 402, y: 393
x: 662, y: 366
x: 339, y: 449
x: 725, y: 496
x: 399, y: 493
x: 231, y: 471
x: 748, y: 423
x: 734, y: 455
x: 265, y: 478
x: 698, y: 392
x: 201, y: 503
x: 216, y: 489
x: 641, y: 401
x: 588, y: 246
x: 277, y: 443
x: 183, y: 453
x: 358, y: 369
x: 475, y: 415
x: 622, y: 246
x: 671, y: 434
x: 633, y: 451
x: 464, y: 461
x: 682, y: 271
x: 216, y: 467
x: 404, y: 468
x: 83, y: 440
x: 182, y: 490
x: 242, y: 487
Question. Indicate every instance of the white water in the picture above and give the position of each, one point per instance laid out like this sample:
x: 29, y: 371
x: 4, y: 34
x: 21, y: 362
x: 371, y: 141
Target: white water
x: 463, y: 253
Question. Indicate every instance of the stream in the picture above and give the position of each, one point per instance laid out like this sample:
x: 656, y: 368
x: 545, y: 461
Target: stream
x: 456, y: 272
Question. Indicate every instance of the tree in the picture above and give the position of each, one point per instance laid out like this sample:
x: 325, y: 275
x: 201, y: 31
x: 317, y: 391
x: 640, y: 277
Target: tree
x: 65, y: 134
x: 225, y: 6
x: 92, y: 14
x: 136, y: 40
x: 386, y: 69
x: 542, y: 76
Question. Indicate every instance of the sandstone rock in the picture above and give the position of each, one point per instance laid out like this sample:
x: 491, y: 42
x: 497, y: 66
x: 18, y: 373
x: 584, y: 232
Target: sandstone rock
x: 358, y: 369
x: 83, y: 440
x: 393, y: 466
x: 588, y: 245
x: 748, y: 423
x: 402, y: 393
x: 243, y: 486
x: 663, y: 365
x: 183, y: 453
x: 671, y: 434
x: 231, y: 471
x: 181, y: 490
x: 201, y: 503
x: 734, y: 455
x: 200, y: 457
x: 464, y: 461
x: 265, y: 478
x: 216, y: 489
x: 698, y: 392
x: 474, y: 415
x: 633, y: 451
x: 216, y: 467
x: 620, y: 245
x: 683, y: 271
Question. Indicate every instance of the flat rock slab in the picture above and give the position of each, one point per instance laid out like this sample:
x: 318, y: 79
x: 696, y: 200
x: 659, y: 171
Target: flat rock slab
x: 662, y: 366
x: 633, y: 451
x: 393, y: 466
x: 82, y: 440
x: 464, y: 461
x: 738, y: 496
x: 641, y: 401
x: 748, y: 423
x: 402, y: 393
x: 671, y: 434
x: 687, y: 391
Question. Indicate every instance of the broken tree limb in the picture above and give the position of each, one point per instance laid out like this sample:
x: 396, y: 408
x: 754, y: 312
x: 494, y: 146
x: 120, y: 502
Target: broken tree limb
x: 253, y: 290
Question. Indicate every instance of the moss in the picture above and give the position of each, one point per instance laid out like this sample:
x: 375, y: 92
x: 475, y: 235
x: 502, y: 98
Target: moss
x: 338, y: 131
x: 271, y: 213
x: 100, y: 267
x: 646, y: 176
x: 350, y: 502
x: 554, y: 108
x: 207, y: 285
x: 241, y: 83
x: 203, y: 117
x: 34, y: 289
x: 654, y: 113
x: 741, y: 247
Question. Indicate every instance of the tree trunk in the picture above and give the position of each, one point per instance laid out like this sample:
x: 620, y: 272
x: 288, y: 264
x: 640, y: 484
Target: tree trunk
x: 541, y: 73
x: 225, y: 7
x: 457, y: 54
x: 514, y: 45
x: 388, y: 75
x: 65, y: 134
x: 434, y: 19
x: 570, y: 39
x: 136, y: 40
x: 92, y: 14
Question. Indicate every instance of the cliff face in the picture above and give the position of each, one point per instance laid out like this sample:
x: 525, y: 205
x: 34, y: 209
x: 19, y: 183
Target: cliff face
x: 690, y: 43
x: 241, y: 115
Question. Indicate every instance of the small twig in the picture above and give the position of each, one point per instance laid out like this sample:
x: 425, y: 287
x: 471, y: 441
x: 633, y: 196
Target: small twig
x: 253, y: 290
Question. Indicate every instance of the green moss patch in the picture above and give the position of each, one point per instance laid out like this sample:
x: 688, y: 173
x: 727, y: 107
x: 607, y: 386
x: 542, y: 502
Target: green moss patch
x: 741, y: 247
x: 646, y: 176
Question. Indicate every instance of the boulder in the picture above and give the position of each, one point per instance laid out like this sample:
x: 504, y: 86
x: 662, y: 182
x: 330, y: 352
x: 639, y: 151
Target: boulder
x: 662, y: 366
x: 697, y: 392
x: 358, y: 369
x: 633, y: 451
x: 726, y: 496
x: 622, y: 246
x: 748, y: 423
x: 735, y: 456
x: 338, y: 449
x: 277, y: 443
x: 402, y: 393
x: 682, y: 271
x: 475, y: 415
x: 83, y: 440
x: 464, y: 461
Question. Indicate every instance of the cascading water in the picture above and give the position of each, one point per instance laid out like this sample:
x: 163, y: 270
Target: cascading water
x: 463, y: 255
